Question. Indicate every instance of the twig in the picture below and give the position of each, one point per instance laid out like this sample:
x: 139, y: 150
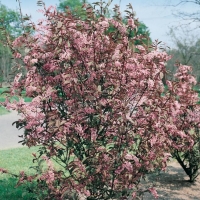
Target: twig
x: 20, y: 10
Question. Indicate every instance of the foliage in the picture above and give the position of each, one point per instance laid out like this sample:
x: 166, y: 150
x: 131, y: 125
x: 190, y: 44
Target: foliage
x: 99, y: 107
x: 10, y: 21
x: 73, y: 5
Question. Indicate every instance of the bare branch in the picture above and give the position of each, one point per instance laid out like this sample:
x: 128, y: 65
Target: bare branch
x: 182, y: 2
x: 20, y: 10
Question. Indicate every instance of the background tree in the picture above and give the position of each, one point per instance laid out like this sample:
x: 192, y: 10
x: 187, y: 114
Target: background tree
x: 188, y: 17
x: 186, y: 50
x: 5, y: 64
x: 73, y: 5
x: 10, y: 20
x: 10, y: 27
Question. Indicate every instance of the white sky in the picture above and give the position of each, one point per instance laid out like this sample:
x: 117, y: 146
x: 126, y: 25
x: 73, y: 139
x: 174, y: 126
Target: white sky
x: 156, y: 14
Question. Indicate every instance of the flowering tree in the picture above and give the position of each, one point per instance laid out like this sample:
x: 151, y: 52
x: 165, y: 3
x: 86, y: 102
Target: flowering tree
x: 99, y: 108
x: 189, y: 159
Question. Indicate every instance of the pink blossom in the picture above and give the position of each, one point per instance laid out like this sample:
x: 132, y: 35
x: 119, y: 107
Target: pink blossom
x: 18, y: 41
x: 150, y: 83
x: 65, y: 56
x: 87, y: 193
x: 134, y: 195
x: 93, y: 134
x: 33, y: 61
x: 116, y: 55
x: 131, y: 23
x: 117, y: 64
x: 26, y: 59
x: 30, y: 90
x: 128, y: 166
x: 17, y: 55
x: 79, y: 129
x: 141, y: 48
x: 104, y: 24
x: 153, y: 140
x: 89, y: 110
x: 154, y: 192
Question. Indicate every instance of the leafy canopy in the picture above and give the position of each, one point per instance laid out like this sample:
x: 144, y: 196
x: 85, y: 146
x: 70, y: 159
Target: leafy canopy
x: 10, y: 21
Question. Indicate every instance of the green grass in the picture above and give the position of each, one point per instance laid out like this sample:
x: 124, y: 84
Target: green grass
x: 15, y: 160
x: 4, y: 94
x: 3, y: 111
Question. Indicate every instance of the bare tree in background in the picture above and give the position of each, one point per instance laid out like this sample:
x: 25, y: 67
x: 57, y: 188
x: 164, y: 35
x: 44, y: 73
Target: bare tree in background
x: 189, y: 17
x: 186, y: 48
x: 186, y: 51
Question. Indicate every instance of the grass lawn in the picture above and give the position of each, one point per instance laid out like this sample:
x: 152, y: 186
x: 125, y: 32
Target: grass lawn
x: 3, y: 111
x: 15, y: 160
x: 3, y: 94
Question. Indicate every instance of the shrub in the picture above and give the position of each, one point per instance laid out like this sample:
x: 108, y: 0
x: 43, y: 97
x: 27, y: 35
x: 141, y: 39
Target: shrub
x: 99, y: 108
x: 189, y: 159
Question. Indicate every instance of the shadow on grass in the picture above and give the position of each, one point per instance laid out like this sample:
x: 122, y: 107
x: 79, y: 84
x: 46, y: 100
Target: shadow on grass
x: 174, y: 185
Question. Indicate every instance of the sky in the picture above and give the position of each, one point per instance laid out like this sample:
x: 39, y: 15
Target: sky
x: 157, y: 15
